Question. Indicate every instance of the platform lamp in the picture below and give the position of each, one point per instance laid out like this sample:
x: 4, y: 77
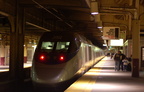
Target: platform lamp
x: 94, y: 7
x: 99, y: 24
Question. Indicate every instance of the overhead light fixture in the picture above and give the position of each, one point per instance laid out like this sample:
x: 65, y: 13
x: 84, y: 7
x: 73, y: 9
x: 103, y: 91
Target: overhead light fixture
x: 94, y: 7
x: 100, y: 27
x: 99, y: 24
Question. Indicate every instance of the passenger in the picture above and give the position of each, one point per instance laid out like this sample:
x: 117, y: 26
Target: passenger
x: 129, y: 65
x: 125, y: 64
x: 111, y: 55
x: 130, y: 58
x: 121, y: 63
x: 118, y: 57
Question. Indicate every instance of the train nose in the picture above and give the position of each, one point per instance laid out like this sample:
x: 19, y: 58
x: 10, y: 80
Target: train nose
x: 50, y: 75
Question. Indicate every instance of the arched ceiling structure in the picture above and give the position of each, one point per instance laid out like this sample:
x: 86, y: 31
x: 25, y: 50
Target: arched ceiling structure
x: 75, y: 15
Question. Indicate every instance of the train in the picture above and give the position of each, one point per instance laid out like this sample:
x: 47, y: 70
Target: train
x: 60, y: 56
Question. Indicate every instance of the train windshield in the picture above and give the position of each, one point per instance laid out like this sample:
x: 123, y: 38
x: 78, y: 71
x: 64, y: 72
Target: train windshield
x: 47, y: 45
x: 51, y: 46
x: 62, y: 45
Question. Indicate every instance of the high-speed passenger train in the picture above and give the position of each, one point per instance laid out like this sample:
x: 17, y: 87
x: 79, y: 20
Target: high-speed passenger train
x: 60, y: 56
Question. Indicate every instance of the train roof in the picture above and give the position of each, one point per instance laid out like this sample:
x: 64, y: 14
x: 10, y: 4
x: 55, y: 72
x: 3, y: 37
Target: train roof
x: 65, y: 35
x: 57, y: 35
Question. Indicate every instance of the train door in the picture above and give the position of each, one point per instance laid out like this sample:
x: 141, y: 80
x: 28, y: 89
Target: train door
x: 83, y: 53
x: 86, y: 53
x: 95, y: 55
x: 92, y: 55
x: 142, y: 56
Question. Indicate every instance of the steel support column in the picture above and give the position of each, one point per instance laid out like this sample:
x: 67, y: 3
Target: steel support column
x: 135, y: 47
x: 136, y: 41
x: 16, y: 45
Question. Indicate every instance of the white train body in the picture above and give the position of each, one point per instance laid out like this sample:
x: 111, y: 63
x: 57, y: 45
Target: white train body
x: 61, y: 65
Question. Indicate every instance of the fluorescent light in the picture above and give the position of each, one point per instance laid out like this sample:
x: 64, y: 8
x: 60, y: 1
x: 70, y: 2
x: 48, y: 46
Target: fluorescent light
x: 118, y: 42
x: 94, y: 13
x: 99, y: 27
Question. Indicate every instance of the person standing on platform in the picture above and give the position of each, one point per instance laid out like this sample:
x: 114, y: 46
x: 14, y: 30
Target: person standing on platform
x: 121, y: 63
x: 118, y: 60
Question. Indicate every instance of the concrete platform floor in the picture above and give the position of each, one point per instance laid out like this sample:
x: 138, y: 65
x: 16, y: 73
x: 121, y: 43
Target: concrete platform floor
x: 103, y: 78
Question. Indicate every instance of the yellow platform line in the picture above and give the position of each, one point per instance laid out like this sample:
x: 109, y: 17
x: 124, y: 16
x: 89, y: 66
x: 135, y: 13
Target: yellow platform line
x: 87, y: 81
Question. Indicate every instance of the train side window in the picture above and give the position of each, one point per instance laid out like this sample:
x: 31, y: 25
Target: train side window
x: 47, y: 45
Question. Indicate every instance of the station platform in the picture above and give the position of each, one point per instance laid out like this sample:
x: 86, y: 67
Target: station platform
x: 103, y: 78
x: 5, y: 68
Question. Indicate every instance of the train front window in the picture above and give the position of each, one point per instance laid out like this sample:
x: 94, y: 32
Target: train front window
x: 47, y: 45
x: 52, y: 46
x: 62, y: 45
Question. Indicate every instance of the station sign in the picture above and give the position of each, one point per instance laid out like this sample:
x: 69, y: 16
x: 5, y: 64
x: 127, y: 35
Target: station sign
x: 111, y: 33
x: 116, y: 42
